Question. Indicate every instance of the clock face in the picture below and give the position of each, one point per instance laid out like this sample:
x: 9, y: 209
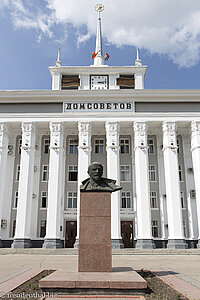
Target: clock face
x: 99, y: 82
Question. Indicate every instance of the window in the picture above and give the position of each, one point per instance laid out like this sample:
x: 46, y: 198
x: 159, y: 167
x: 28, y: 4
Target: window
x: 43, y: 199
x: 19, y: 146
x: 16, y: 199
x: 150, y: 146
x: 99, y: 146
x: 46, y: 146
x: 153, y: 199
x: 178, y: 146
x: 180, y: 173
x: 124, y: 146
x: 45, y: 173
x: 125, y: 173
x: 14, y: 227
x: 72, y: 200
x: 125, y: 199
x: 182, y: 200
x: 73, y: 146
x: 184, y: 228
x: 17, y: 172
x: 152, y: 173
x: 42, y: 228
x: 73, y: 173
x: 154, y: 227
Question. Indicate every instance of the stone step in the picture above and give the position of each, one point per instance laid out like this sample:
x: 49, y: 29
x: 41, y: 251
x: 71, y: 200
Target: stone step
x: 128, y: 251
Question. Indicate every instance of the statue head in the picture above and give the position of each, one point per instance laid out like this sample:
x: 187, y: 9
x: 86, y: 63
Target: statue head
x: 95, y: 171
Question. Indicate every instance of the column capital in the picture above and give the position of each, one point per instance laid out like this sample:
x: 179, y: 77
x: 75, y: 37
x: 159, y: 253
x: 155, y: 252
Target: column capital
x: 169, y: 126
x: 56, y: 127
x: 56, y: 139
x: 28, y: 127
x: 141, y: 129
x: 28, y: 131
x: 84, y: 129
x: 112, y: 126
x: 195, y: 135
x: 3, y: 134
x: 195, y: 126
x: 169, y: 135
x: 112, y: 135
x: 140, y: 126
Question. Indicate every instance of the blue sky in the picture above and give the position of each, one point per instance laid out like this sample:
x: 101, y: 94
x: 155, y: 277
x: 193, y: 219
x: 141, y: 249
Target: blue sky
x: 32, y: 31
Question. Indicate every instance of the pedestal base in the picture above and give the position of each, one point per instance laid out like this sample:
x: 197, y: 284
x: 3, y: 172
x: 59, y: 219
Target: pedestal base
x: 95, y: 252
x: 145, y: 244
x: 52, y: 244
x: 21, y: 243
x: 1, y: 244
x: 76, y: 244
x: 118, y: 279
x: 117, y: 244
x: 177, y: 244
x: 198, y: 244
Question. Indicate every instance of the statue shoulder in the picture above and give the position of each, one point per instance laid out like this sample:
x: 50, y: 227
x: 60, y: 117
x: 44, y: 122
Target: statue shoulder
x: 107, y: 180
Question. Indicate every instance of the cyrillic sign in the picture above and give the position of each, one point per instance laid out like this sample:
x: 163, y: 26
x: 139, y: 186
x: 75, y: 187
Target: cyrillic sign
x: 98, y: 106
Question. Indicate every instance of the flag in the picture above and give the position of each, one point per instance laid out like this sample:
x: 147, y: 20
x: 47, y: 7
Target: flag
x: 94, y: 55
x: 106, y: 57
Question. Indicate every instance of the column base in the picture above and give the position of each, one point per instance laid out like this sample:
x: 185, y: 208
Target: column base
x: 76, y: 244
x: 177, y: 244
x: 52, y: 244
x: 21, y: 244
x: 198, y: 244
x: 1, y: 244
x: 145, y: 244
x: 117, y: 244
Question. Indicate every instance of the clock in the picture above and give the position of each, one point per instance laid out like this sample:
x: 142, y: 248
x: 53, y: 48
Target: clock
x: 99, y: 82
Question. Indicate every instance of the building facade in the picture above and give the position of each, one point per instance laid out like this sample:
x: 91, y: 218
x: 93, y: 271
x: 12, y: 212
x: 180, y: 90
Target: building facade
x: 148, y: 140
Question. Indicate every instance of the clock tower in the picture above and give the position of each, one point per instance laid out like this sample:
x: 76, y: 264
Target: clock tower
x: 98, y: 76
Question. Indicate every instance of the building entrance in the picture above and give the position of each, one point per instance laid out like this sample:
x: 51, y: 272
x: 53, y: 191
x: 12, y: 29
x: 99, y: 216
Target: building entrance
x: 70, y: 233
x: 127, y: 233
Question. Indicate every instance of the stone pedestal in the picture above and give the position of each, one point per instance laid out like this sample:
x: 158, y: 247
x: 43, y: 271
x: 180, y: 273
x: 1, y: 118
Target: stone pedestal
x: 95, y: 252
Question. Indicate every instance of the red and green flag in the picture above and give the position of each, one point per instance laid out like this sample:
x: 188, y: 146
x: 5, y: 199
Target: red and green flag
x: 106, y: 57
x: 94, y: 54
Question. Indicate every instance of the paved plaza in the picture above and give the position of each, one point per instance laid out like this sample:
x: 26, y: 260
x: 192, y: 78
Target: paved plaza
x: 185, y: 265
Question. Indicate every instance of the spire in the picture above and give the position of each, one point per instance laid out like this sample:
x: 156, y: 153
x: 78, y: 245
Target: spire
x: 138, y: 61
x: 58, y: 62
x: 99, y: 59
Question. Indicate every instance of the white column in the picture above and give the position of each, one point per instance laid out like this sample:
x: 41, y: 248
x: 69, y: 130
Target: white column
x: 139, y: 80
x: 174, y: 211
x: 144, y: 235
x: 3, y: 161
x: 162, y: 192
x: 195, y: 148
x: 113, y: 172
x: 55, y: 195
x: 23, y: 221
x: 36, y: 185
x: 189, y: 178
x: 7, y: 209
x: 84, y: 160
x: 56, y: 80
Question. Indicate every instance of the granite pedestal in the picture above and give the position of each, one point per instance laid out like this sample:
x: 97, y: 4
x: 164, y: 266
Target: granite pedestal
x: 95, y: 274
x: 95, y: 252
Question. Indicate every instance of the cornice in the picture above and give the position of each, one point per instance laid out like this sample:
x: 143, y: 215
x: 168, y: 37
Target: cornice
x: 104, y: 69
x: 38, y: 96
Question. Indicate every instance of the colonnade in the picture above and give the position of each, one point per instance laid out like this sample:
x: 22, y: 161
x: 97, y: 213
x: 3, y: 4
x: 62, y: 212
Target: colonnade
x: 176, y: 237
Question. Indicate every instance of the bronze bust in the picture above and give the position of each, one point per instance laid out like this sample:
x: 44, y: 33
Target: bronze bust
x: 97, y: 183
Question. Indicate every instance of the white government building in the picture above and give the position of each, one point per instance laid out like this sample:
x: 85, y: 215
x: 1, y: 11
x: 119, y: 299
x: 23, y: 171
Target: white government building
x: 148, y: 140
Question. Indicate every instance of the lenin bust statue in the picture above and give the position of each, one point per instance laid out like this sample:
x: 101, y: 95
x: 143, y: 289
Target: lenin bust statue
x: 97, y: 183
